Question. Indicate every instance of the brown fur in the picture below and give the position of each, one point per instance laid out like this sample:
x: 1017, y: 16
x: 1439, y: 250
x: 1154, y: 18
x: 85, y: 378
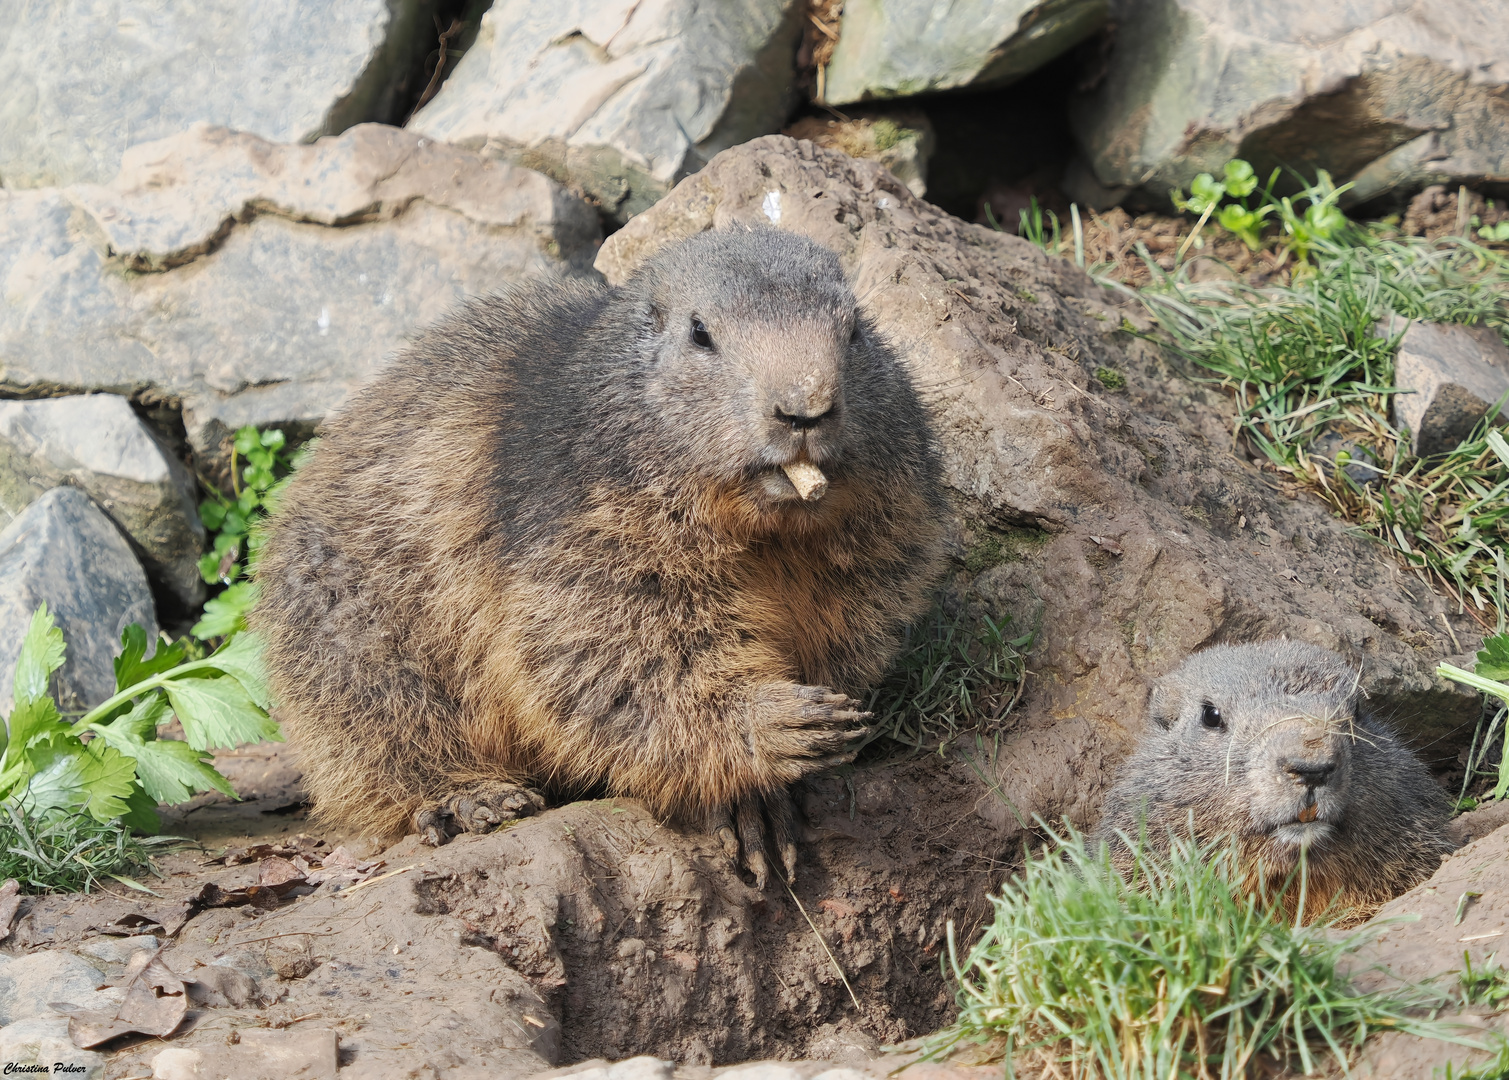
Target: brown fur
x: 1289, y: 760
x: 518, y: 559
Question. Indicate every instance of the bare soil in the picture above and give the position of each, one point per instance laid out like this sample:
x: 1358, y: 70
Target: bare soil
x: 590, y: 931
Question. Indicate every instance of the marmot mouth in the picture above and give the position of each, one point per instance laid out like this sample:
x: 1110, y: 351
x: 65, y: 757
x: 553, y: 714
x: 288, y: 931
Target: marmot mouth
x: 1306, y: 834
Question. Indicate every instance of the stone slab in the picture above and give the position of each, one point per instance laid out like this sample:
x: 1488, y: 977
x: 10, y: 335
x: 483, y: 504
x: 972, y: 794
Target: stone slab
x: 900, y: 48
x: 1391, y: 94
x: 257, y: 283
x: 1449, y: 377
x: 63, y: 550
x: 85, y: 81
x: 97, y: 443
x: 620, y: 98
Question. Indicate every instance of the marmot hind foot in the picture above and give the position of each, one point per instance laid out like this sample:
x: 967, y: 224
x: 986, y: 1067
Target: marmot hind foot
x: 478, y: 807
x: 757, y: 823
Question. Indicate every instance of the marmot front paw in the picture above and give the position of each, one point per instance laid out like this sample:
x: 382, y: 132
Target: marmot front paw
x: 479, y: 807
x: 797, y: 730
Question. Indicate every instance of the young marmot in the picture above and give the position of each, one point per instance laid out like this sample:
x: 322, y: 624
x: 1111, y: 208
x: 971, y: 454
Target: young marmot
x: 1270, y: 743
x: 648, y: 541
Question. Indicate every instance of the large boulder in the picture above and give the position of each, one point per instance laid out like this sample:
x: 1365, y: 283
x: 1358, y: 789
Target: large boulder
x: 84, y: 81
x: 618, y: 97
x: 898, y: 48
x: 1389, y: 93
x: 64, y: 552
x: 97, y: 443
x: 1119, y: 522
x: 258, y: 282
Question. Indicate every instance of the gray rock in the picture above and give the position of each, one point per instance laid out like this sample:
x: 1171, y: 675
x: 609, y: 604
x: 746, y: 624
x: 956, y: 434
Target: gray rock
x: 1450, y: 377
x: 114, y: 953
x: 618, y: 97
x: 644, y: 1067
x: 44, y: 1041
x: 28, y: 984
x: 897, y: 48
x: 1363, y: 466
x: 63, y: 550
x: 1389, y: 93
x: 98, y: 444
x: 83, y: 82
x: 307, y: 1054
x: 278, y: 277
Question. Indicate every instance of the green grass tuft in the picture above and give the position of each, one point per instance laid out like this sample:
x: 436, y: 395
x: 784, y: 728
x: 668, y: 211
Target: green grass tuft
x: 1487, y: 985
x: 1495, y: 1068
x: 1304, y: 360
x: 1172, y: 972
x: 71, y: 853
x: 957, y: 673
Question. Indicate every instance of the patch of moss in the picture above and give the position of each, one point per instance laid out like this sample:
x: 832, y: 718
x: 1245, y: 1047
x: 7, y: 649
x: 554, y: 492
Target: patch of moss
x: 1110, y: 378
x: 886, y: 133
x: 1026, y: 297
x: 999, y: 546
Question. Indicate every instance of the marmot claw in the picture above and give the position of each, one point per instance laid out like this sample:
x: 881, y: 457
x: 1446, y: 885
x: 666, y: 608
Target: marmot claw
x: 478, y: 808
x: 745, y: 831
x: 806, y: 729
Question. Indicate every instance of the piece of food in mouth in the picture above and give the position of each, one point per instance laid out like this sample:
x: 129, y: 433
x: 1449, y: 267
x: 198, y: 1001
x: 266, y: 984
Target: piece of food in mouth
x: 807, y: 478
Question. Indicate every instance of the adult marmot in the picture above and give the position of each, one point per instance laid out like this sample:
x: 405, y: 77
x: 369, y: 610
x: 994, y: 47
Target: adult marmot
x: 1270, y: 743
x: 648, y: 541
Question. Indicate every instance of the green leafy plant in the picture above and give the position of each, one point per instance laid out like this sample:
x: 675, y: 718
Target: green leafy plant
x: 955, y: 674
x: 1322, y: 220
x: 257, y: 464
x: 1169, y: 970
x: 110, y: 763
x: 1496, y: 234
x: 234, y: 521
x: 1305, y: 220
x: 1491, y: 676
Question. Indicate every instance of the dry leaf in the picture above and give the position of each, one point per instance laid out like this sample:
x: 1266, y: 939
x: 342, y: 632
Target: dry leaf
x: 1107, y: 544
x: 155, y: 1005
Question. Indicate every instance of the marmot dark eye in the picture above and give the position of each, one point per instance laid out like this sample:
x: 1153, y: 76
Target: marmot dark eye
x: 700, y: 337
x: 1210, y: 716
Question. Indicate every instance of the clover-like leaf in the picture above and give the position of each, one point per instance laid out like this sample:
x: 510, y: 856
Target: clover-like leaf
x: 1240, y: 180
x: 212, y: 514
x: 1205, y: 191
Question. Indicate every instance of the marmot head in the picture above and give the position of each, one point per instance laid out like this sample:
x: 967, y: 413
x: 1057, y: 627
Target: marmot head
x: 1261, y: 741
x: 756, y: 359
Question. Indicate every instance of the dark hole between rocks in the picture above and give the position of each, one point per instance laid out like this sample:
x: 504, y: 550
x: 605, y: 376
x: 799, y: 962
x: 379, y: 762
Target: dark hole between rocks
x: 457, y: 23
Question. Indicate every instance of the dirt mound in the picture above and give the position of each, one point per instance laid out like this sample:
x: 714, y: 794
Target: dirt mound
x: 589, y: 931
x: 1095, y: 488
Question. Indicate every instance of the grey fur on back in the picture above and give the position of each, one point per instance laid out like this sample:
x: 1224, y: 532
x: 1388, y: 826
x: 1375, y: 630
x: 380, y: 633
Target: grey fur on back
x: 1270, y: 743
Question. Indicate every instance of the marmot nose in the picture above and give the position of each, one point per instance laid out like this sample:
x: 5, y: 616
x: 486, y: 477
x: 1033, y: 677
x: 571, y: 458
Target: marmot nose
x: 804, y: 417
x: 1312, y: 774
